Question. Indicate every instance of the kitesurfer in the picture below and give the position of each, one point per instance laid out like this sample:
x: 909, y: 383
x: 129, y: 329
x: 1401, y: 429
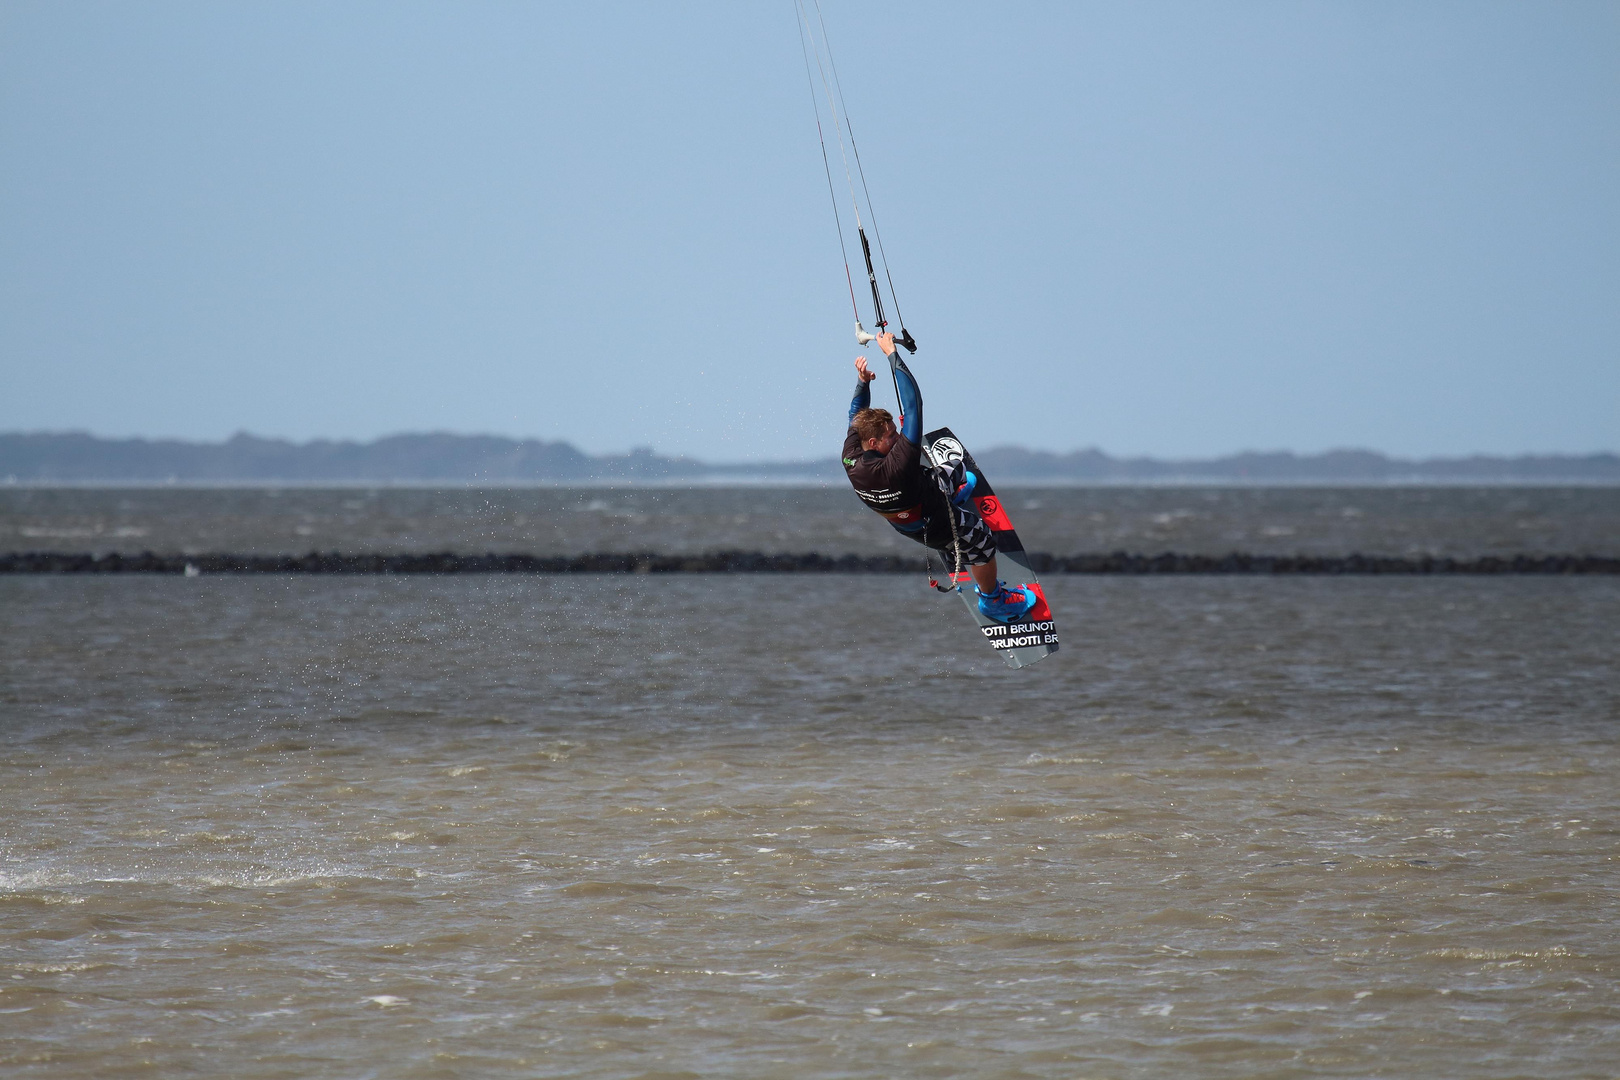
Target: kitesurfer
x: 884, y: 464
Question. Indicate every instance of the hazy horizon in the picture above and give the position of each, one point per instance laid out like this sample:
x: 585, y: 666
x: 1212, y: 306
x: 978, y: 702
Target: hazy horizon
x: 1174, y: 230
x: 814, y: 458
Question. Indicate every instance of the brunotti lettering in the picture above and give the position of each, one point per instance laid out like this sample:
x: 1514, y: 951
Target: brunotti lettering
x: 1020, y: 635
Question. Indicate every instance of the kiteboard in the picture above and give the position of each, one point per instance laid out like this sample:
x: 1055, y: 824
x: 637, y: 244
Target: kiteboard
x: 1030, y: 639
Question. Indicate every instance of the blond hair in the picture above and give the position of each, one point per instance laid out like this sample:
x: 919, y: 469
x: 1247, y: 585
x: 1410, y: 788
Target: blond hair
x: 871, y: 424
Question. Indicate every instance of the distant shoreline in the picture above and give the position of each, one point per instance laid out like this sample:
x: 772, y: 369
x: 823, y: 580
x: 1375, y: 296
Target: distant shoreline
x: 440, y: 460
x: 1014, y: 483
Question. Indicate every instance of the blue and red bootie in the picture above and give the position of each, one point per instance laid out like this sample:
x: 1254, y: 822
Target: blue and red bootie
x: 1004, y: 605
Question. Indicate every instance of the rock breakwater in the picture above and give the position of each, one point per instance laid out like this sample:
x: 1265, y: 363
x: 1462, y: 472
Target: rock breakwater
x: 733, y: 562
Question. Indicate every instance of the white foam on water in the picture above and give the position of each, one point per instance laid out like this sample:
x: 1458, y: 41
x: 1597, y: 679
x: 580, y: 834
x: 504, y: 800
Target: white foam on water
x: 1554, y: 952
x: 44, y: 882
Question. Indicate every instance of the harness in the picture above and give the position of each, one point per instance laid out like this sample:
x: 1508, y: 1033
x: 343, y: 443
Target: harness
x: 895, y: 506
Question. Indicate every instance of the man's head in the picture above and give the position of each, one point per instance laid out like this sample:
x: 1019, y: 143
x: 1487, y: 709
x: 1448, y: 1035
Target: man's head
x: 875, y: 429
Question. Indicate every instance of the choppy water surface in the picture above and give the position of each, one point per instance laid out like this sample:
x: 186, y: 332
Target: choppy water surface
x: 775, y: 826
x: 1460, y: 522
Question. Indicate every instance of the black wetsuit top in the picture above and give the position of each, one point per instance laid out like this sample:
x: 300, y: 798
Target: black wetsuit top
x: 895, y: 484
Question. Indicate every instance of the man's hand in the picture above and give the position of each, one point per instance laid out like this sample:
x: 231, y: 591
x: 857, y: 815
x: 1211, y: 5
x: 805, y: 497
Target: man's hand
x: 865, y: 373
x: 885, y: 342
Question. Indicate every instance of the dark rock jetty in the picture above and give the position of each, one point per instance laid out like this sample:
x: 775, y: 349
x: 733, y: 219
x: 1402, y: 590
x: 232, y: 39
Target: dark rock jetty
x: 733, y: 562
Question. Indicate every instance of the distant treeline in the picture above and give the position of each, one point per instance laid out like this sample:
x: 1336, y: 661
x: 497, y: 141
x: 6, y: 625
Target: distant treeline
x: 756, y: 562
x: 75, y: 458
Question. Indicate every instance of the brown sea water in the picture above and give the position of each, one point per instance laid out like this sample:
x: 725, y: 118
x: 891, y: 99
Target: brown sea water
x: 1463, y: 522
x: 737, y: 825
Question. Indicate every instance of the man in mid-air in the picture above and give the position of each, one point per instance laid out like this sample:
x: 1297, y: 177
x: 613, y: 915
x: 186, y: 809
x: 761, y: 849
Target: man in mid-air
x: 929, y: 505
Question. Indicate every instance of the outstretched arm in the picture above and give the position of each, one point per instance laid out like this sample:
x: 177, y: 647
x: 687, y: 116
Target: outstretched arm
x: 863, y: 388
x: 905, y: 386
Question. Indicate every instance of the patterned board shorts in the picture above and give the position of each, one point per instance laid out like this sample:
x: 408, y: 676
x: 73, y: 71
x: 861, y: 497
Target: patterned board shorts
x: 977, y: 543
x: 974, y: 538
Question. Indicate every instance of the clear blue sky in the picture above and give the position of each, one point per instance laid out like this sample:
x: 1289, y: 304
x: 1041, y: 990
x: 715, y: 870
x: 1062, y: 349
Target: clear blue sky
x: 1173, y: 229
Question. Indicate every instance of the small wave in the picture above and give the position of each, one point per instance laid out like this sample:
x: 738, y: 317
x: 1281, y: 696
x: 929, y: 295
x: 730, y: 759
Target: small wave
x: 43, y: 886
x: 35, y: 532
x: 617, y: 888
x: 1554, y: 952
x: 625, y: 1020
x: 35, y: 885
x: 81, y: 532
x: 56, y: 969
